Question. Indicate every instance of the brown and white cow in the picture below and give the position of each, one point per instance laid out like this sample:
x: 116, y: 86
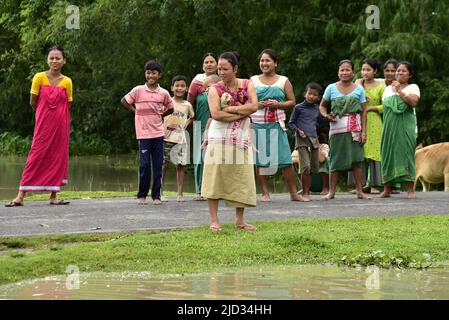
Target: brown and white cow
x: 432, y: 165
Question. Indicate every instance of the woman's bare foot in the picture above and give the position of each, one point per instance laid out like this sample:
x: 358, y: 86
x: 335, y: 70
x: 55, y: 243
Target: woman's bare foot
x: 385, y: 194
x: 180, y: 198
x: 265, y: 198
x: 324, y: 192
x: 410, y: 195
x: 363, y: 196
x: 329, y: 196
x: 296, y: 197
x: 306, y: 198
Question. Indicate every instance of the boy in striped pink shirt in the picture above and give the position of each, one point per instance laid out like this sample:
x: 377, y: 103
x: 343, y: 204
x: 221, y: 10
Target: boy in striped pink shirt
x: 151, y: 104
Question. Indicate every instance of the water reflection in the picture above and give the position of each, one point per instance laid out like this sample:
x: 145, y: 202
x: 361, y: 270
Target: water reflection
x: 104, y: 173
x: 287, y: 283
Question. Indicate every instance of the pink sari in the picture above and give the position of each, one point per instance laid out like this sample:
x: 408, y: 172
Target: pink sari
x: 47, y: 166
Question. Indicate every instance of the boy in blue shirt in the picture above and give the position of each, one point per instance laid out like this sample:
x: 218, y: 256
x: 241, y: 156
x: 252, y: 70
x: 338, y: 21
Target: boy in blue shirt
x: 303, y: 121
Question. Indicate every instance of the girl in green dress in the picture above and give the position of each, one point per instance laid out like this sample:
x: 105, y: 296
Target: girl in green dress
x: 373, y: 92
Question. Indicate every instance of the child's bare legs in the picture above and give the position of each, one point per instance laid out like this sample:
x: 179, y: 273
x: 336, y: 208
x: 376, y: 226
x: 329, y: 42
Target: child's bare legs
x: 289, y: 175
x: 180, y: 181
x: 410, y: 190
x: 325, y: 179
x: 240, y: 223
x: 306, y: 180
x: 357, y: 172
x: 263, y: 183
x: 332, y: 185
x: 213, y: 211
x: 387, y: 191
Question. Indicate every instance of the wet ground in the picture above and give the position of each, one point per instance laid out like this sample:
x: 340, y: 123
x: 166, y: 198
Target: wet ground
x: 284, y: 283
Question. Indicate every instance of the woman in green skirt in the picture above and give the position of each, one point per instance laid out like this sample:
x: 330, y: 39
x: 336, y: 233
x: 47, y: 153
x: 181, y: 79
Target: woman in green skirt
x: 399, y: 131
x: 347, y: 133
x: 275, y: 96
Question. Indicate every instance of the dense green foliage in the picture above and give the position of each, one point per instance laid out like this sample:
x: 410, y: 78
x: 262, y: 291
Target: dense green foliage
x: 107, y: 53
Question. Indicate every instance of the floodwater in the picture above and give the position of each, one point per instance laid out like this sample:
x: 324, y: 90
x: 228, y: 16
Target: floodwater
x: 104, y: 173
x: 301, y: 282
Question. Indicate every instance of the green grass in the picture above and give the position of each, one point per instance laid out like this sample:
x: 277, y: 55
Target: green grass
x: 404, y: 242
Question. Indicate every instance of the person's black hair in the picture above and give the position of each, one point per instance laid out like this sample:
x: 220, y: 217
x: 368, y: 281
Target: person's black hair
x: 373, y: 63
x: 409, y: 67
x: 210, y: 54
x: 237, y: 55
x: 314, y: 86
x: 273, y: 55
x: 178, y: 78
x: 392, y: 61
x: 153, y: 65
x: 56, y: 47
x: 230, y: 57
x: 346, y: 61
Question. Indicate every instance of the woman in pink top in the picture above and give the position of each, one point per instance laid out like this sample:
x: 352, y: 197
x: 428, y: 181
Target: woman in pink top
x: 228, y: 166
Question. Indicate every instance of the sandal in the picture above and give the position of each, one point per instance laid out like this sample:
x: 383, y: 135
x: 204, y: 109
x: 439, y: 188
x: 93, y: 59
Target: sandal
x: 14, y: 204
x: 215, y: 229
x: 60, y: 203
x: 246, y: 227
x: 199, y: 198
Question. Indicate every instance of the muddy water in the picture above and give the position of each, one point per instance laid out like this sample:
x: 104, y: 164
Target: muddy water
x: 287, y: 283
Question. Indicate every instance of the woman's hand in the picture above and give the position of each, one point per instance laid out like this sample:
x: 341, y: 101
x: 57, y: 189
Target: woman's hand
x: 395, y: 85
x: 331, y: 117
x: 272, y: 104
x: 362, y: 137
x: 372, y: 108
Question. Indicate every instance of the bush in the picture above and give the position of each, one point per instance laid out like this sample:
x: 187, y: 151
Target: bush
x: 13, y: 144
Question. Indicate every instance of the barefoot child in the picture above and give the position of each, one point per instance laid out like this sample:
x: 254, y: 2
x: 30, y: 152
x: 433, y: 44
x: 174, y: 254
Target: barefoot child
x: 175, y: 141
x: 151, y: 104
x: 303, y: 121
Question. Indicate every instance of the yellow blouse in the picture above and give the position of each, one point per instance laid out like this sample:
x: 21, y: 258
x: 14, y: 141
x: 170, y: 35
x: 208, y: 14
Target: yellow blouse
x: 40, y: 79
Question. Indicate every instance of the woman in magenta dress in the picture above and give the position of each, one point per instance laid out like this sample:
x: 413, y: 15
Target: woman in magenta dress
x: 46, y: 169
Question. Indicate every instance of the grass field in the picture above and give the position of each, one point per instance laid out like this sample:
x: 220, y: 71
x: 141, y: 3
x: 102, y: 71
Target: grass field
x: 410, y: 242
